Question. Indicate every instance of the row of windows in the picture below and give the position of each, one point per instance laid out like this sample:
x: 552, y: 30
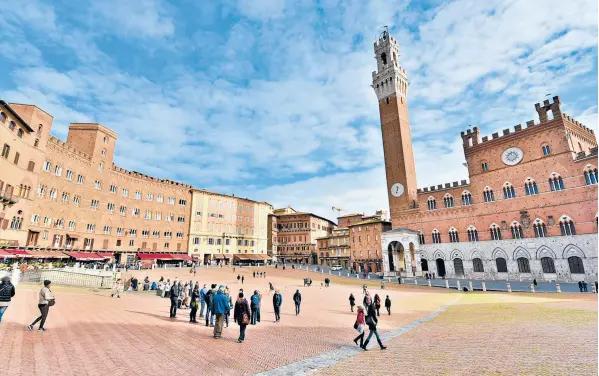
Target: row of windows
x: 567, y: 228
x: 69, y: 175
x: 555, y: 183
x: 547, y: 264
x: 218, y: 241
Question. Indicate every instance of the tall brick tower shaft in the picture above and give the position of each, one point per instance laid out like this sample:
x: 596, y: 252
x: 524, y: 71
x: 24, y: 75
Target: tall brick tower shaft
x: 390, y: 84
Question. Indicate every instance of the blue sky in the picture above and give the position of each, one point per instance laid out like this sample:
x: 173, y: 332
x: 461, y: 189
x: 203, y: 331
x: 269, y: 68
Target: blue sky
x: 271, y: 100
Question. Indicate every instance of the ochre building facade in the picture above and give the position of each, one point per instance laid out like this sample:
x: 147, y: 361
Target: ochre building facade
x: 529, y: 209
x: 226, y: 228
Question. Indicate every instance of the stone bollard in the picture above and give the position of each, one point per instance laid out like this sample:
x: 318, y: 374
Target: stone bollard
x: 532, y: 287
x: 415, y: 281
x: 348, y: 274
x: 458, y: 285
x: 509, y: 287
x: 558, y: 288
x: 446, y: 284
x: 594, y: 289
x: 520, y: 278
x: 165, y: 266
x: 470, y: 286
x: 368, y: 276
x: 16, y: 275
x: 484, y: 286
x: 429, y: 283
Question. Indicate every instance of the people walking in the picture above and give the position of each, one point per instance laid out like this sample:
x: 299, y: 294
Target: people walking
x: 297, y: 299
x: 584, y: 286
x: 377, y: 304
x: 277, y: 301
x: 388, y: 304
x: 116, y: 288
x: 238, y: 277
x: 372, y: 321
x: 241, y: 314
x: 242, y: 279
x: 174, y: 295
x: 203, y: 300
x: 580, y: 285
x: 352, y: 301
x: 220, y: 305
x: 534, y: 282
x: 195, y: 302
x: 46, y: 300
x: 367, y: 300
x: 255, y: 306
x: 7, y: 291
x: 359, y: 326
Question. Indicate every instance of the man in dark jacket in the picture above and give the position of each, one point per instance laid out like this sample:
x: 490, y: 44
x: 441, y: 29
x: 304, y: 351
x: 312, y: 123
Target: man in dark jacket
x: 7, y: 291
x: 388, y: 304
x: 255, y: 306
x: 297, y: 299
x: 208, y: 299
x: 372, y: 321
x: 277, y: 301
x: 174, y: 295
x: 195, y: 302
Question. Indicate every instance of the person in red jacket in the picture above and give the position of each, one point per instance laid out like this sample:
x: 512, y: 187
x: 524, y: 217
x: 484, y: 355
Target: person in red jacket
x: 359, y: 326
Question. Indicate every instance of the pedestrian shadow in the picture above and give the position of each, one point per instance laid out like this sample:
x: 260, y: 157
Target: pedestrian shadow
x: 163, y: 318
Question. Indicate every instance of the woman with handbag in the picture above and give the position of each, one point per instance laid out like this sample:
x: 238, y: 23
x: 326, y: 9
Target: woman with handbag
x: 46, y: 300
x: 371, y: 321
x: 359, y: 326
x: 195, y: 301
x: 242, y: 316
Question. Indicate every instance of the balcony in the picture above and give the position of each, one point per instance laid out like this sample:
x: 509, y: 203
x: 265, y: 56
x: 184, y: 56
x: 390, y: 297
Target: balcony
x: 8, y: 198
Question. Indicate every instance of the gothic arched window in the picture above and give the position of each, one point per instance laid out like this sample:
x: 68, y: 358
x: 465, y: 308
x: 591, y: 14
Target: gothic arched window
x: 530, y: 186
x: 566, y: 226
x: 432, y: 203
x: 508, y: 191
x: 436, y: 236
x: 466, y: 198
x: 453, y: 235
x: 472, y: 234
x: 448, y: 200
x: 488, y: 195
x: 495, y: 232
x: 555, y: 182
x: 517, y: 232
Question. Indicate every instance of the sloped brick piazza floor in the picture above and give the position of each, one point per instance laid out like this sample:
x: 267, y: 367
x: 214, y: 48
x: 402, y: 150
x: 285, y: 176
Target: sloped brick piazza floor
x: 430, y: 332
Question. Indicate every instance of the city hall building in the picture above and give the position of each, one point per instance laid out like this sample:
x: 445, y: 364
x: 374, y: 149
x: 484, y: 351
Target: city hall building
x: 529, y: 209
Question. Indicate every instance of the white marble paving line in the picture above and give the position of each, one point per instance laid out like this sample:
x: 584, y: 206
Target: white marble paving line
x: 310, y: 365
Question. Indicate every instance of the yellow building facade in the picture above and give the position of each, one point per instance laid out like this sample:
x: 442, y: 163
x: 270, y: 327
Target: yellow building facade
x: 227, y: 229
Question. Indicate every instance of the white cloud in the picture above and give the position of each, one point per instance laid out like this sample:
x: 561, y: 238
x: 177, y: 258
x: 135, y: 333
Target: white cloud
x: 136, y: 18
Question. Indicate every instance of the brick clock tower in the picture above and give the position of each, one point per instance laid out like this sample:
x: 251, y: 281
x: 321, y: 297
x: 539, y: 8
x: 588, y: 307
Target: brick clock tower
x: 390, y: 84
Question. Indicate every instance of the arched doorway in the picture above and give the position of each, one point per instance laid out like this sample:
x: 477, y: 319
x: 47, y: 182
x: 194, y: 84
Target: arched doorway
x: 424, y: 265
x: 458, y: 266
x: 440, y: 267
x: 413, y: 257
x: 390, y: 250
x: 401, y: 258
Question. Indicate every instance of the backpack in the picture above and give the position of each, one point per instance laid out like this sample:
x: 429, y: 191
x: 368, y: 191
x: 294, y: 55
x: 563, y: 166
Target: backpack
x: 255, y: 300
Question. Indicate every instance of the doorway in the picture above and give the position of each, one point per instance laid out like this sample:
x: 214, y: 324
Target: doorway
x: 458, y: 266
x: 424, y: 265
x: 440, y: 267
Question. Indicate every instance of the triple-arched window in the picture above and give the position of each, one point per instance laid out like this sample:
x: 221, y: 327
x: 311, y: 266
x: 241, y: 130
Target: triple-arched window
x: 466, y: 198
x: 508, y: 191
x: 530, y: 186
x: 420, y: 237
x: 432, y: 203
x: 448, y: 200
x: 495, y: 232
x: 488, y: 195
x: 517, y: 232
x: 436, y: 236
x: 540, y: 228
x: 566, y: 226
x: 472, y: 234
x: 590, y: 175
x: 453, y: 235
x: 555, y: 182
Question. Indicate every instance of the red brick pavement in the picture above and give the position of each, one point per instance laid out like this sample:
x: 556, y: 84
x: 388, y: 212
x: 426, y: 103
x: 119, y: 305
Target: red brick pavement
x: 88, y: 333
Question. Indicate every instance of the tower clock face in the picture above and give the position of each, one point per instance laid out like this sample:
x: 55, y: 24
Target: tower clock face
x: 397, y: 189
x: 512, y: 156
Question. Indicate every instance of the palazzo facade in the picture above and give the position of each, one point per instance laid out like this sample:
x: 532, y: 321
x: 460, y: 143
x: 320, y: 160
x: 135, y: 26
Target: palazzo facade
x: 528, y: 210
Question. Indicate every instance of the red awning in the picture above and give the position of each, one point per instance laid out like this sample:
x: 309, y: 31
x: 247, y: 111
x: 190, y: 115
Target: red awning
x: 219, y: 256
x: 4, y: 254
x: 85, y: 256
x: 105, y: 254
x: 19, y: 253
x: 183, y: 256
x: 154, y: 256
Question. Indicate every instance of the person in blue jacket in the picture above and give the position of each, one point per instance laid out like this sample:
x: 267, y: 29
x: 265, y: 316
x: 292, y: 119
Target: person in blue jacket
x: 220, y: 306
